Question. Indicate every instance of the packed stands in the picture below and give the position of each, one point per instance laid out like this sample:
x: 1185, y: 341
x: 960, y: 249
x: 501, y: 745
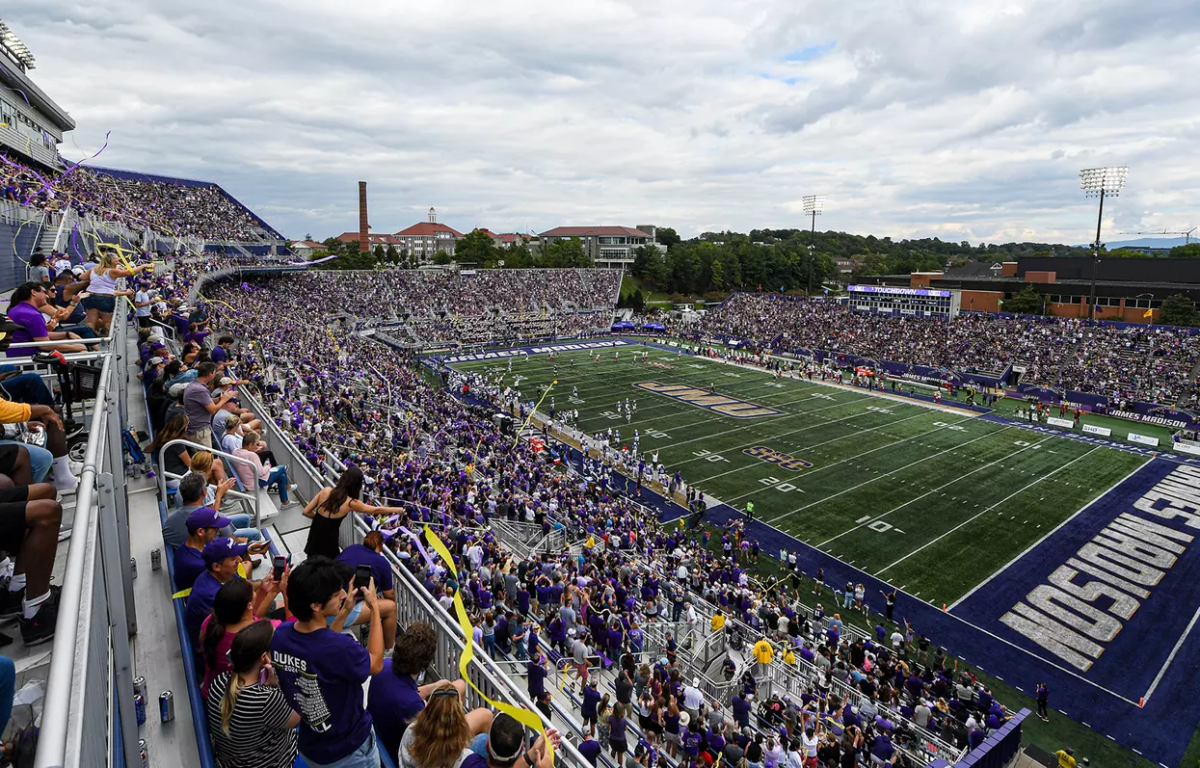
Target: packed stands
x: 469, y: 308
x: 666, y: 621
x: 169, y: 206
x: 1133, y: 363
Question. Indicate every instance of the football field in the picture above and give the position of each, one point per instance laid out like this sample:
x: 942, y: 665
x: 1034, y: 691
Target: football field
x: 929, y: 500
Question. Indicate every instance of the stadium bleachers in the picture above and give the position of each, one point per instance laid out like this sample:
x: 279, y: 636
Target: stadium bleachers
x: 1111, y: 360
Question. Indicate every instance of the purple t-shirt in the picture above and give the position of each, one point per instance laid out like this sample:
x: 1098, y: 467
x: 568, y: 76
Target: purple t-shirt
x: 393, y: 702
x: 360, y: 554
x: 32, y: 326
x: 189, y: 564
x: 591, y: 750
x: 321, y: 673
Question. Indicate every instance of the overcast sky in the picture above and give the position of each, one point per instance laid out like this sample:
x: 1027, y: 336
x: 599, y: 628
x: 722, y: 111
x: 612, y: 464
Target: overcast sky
x: 963, y: 119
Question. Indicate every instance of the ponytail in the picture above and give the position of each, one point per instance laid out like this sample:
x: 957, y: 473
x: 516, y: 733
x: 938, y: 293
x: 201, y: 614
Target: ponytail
x: 229, y: 700
x: 248, y: 647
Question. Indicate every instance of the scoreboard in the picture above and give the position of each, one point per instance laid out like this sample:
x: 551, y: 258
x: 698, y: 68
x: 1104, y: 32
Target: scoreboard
x: 916, y: 302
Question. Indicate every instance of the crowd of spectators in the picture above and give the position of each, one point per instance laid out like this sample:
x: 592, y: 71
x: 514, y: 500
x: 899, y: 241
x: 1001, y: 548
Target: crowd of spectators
x: 468, y: 308
x: 410, y: 452
x: 1135, y: 363
x: 175, y: 209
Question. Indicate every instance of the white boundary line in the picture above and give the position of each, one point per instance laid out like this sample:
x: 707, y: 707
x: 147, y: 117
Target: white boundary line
x: 1158, y: 678
x: 775, y: 437
x: 1038, y: 543
x: 888, y: 474
x: 958, y: 479
x: 980, y: 514
x: 959, y: 619
x: 768, y: 421
x: 834, y: 440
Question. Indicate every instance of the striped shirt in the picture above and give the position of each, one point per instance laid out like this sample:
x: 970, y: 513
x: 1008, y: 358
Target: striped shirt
x: 258, y: 734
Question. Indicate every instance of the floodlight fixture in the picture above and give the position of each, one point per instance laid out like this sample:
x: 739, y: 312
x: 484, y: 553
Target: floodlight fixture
x: 1101, y: 183
x: 15, y: 48
x: 813, y: 206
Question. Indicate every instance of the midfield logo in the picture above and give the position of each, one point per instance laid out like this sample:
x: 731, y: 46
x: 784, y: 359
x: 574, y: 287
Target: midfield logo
x: 727, y: 406
x: 772, y: 456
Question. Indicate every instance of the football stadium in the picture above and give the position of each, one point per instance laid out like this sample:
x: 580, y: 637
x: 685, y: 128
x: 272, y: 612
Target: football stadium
x: 429, y: 499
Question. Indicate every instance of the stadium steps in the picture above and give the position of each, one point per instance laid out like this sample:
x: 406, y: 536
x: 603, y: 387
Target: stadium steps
x: 48, y: 238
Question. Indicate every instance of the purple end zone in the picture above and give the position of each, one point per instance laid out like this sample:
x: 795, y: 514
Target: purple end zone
x: 1161, y: 730
x: 1136, y: 641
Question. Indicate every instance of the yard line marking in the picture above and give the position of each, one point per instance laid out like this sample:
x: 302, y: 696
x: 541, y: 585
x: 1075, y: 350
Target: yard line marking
x: 810, y: 473
x: 1035, y: 544
x: 1067, y: 671
x: 944, y: 485
x: 977, y: 515
x: 807, y: 447
x: 760, y: 423
x: 894, y: 471
x: 682, y: 410
x: 1179, y: 644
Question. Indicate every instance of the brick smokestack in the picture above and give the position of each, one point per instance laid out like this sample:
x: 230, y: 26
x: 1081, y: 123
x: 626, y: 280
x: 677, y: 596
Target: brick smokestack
x: 364, y: 239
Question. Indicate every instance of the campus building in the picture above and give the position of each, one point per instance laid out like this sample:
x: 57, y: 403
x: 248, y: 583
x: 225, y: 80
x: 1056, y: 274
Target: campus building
x: 607, y: 246
x: 1125, y: 288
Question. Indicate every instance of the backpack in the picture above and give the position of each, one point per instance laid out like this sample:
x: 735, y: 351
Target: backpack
x: 136, y: 463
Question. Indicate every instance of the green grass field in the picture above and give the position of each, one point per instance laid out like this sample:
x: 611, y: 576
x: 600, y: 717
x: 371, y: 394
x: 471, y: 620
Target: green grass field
x: 933, y: 501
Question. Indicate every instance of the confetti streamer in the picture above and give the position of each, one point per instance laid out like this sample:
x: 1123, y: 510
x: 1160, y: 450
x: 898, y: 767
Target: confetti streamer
x: 521, y: 715
x: 46, y: 185
x: 531, y: 413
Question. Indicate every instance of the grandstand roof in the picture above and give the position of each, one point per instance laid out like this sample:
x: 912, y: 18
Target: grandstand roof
x: 595, y: 232
x: 427, y: 229
x: 14, y: 78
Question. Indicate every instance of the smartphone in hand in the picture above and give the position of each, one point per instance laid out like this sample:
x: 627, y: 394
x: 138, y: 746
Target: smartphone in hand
x: 362, y: 579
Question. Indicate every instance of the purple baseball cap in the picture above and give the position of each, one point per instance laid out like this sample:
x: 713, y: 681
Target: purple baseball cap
x: 206, y: 517
x: 218, y: 549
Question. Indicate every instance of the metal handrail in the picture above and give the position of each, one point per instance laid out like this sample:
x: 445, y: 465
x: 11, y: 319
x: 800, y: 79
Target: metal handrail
x: 162, y: 476
x: 52, y: 741
x: 487, y: 668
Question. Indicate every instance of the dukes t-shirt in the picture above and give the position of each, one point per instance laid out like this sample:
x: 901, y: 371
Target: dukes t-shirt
x: 321, y: 673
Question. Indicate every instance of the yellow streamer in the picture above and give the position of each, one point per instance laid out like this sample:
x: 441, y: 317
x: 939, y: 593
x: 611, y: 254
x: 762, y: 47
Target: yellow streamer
x: 535, y: 409
x: 523, y: 716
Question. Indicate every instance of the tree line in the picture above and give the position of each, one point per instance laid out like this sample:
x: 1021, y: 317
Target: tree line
x: 476, y: 249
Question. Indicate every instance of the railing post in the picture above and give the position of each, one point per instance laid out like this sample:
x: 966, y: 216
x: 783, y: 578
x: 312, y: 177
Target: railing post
x: 120, y: 620
x: 119, y: 506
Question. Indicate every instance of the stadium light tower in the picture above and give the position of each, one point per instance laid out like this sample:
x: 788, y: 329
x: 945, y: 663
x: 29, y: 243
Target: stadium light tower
x: 813, y: 206
x: 1101, y: 183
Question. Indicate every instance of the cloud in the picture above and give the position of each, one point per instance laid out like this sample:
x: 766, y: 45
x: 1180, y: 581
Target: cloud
x: 956, y: 118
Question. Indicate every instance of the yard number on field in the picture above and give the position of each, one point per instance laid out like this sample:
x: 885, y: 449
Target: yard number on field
x: 708, y: 455
x: 781, y: 487
x: 953, y: 427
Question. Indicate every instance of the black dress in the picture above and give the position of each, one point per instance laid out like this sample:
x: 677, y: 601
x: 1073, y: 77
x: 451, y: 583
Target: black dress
x: 323, y: 536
